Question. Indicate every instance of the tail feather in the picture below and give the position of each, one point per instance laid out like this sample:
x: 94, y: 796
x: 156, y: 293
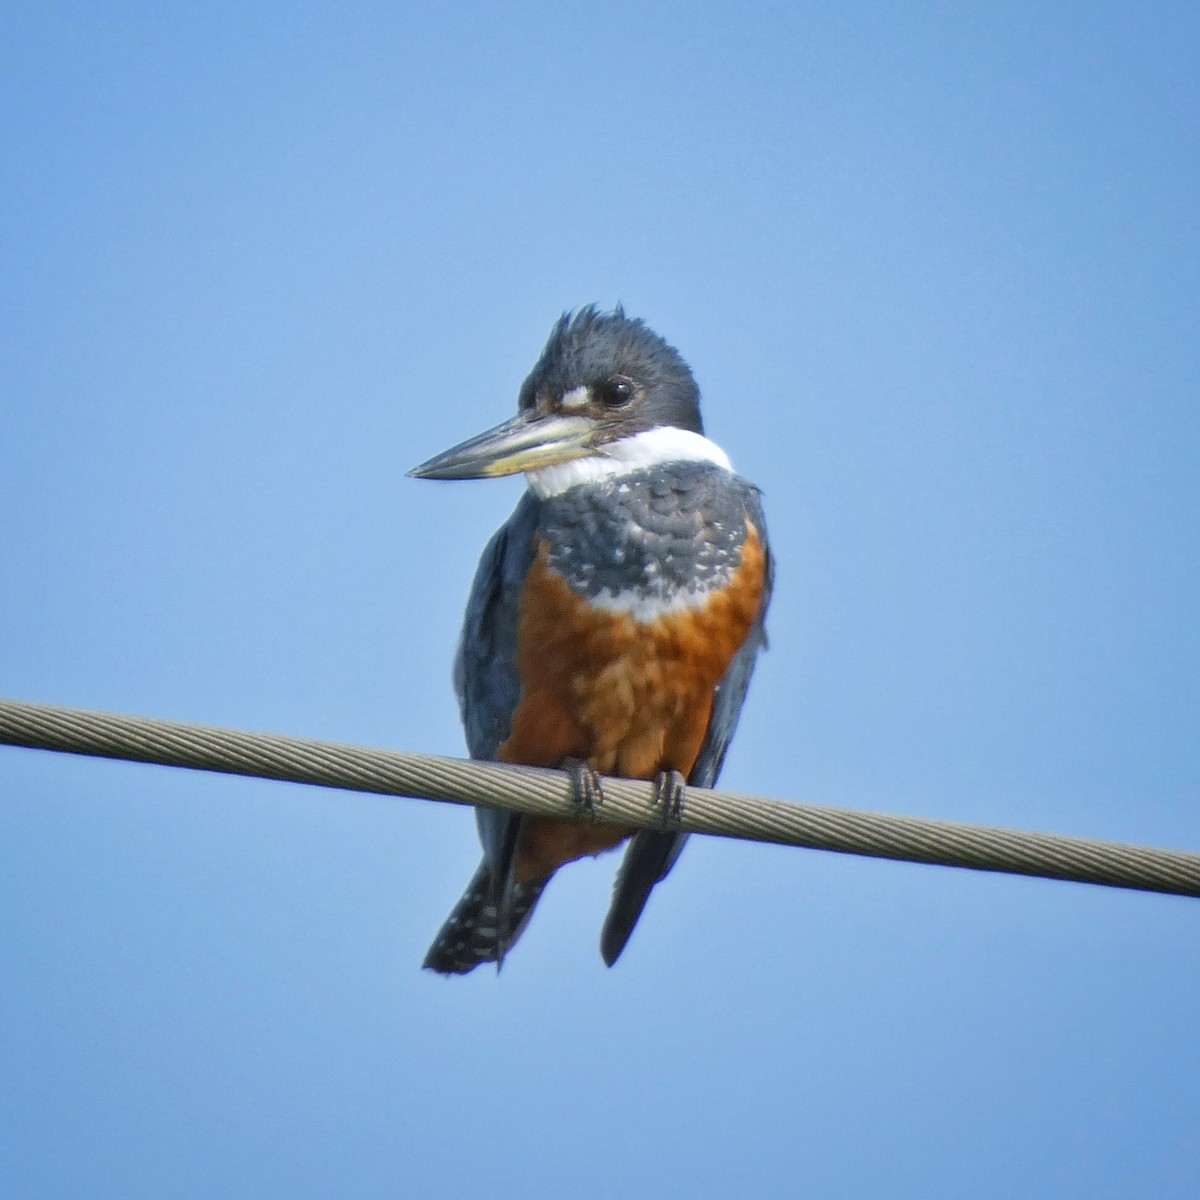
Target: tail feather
x: 651, y: 854
x: 477, y: 930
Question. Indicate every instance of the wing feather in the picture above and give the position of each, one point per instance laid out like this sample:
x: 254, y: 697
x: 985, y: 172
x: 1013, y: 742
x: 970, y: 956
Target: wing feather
x: 485, y: 669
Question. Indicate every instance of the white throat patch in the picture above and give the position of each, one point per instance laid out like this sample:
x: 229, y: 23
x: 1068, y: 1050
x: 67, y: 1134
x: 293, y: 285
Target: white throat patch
x: 646, y: 449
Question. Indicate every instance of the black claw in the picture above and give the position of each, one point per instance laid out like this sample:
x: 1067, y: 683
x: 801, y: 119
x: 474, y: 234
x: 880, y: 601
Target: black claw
x: 586, y: 792
x: 669, y: 789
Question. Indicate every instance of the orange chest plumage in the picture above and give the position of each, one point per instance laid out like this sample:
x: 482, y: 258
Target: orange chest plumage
x: 631, y: 697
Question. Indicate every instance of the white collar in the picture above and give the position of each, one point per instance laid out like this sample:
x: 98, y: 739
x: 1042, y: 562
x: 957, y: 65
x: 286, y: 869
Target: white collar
x: 649, y: 448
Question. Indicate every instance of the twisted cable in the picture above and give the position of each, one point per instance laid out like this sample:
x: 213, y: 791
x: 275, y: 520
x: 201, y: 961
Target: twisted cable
x: 547, y: 793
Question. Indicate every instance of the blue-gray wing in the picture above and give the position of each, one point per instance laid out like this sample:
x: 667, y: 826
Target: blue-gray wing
x: 731, y: 691
x: 485, y: 667
x: 652, y: 852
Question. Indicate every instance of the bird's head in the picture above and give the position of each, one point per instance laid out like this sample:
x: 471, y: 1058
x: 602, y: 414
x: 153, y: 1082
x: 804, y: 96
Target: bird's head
x: 606, y: 388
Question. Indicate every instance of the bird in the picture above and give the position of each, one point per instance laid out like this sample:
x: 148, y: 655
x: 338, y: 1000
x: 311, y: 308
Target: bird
x: 614, y: 621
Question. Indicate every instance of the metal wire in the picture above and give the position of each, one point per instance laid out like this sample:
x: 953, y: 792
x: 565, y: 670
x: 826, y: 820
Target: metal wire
x: 548, y: 793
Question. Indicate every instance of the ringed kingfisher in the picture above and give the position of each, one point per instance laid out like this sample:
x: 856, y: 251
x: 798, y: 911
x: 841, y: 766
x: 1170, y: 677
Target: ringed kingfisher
x: 614, y: 620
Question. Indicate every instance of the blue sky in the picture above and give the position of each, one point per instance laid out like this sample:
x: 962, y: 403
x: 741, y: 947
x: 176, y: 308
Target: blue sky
x: 936, y: 269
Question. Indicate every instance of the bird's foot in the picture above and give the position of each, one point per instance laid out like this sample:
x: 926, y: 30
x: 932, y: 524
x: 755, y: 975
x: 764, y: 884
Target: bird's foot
x: 669, y: 789
x: 586, y: 793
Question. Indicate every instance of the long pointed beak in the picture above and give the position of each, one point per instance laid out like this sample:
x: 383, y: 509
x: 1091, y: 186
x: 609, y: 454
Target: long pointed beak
x: 525, y: 443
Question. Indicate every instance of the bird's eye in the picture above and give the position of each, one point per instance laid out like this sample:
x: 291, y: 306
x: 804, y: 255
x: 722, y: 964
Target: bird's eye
x: 615, y: 393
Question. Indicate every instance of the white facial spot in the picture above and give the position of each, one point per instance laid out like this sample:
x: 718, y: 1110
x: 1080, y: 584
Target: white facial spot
x: 576, y: 400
